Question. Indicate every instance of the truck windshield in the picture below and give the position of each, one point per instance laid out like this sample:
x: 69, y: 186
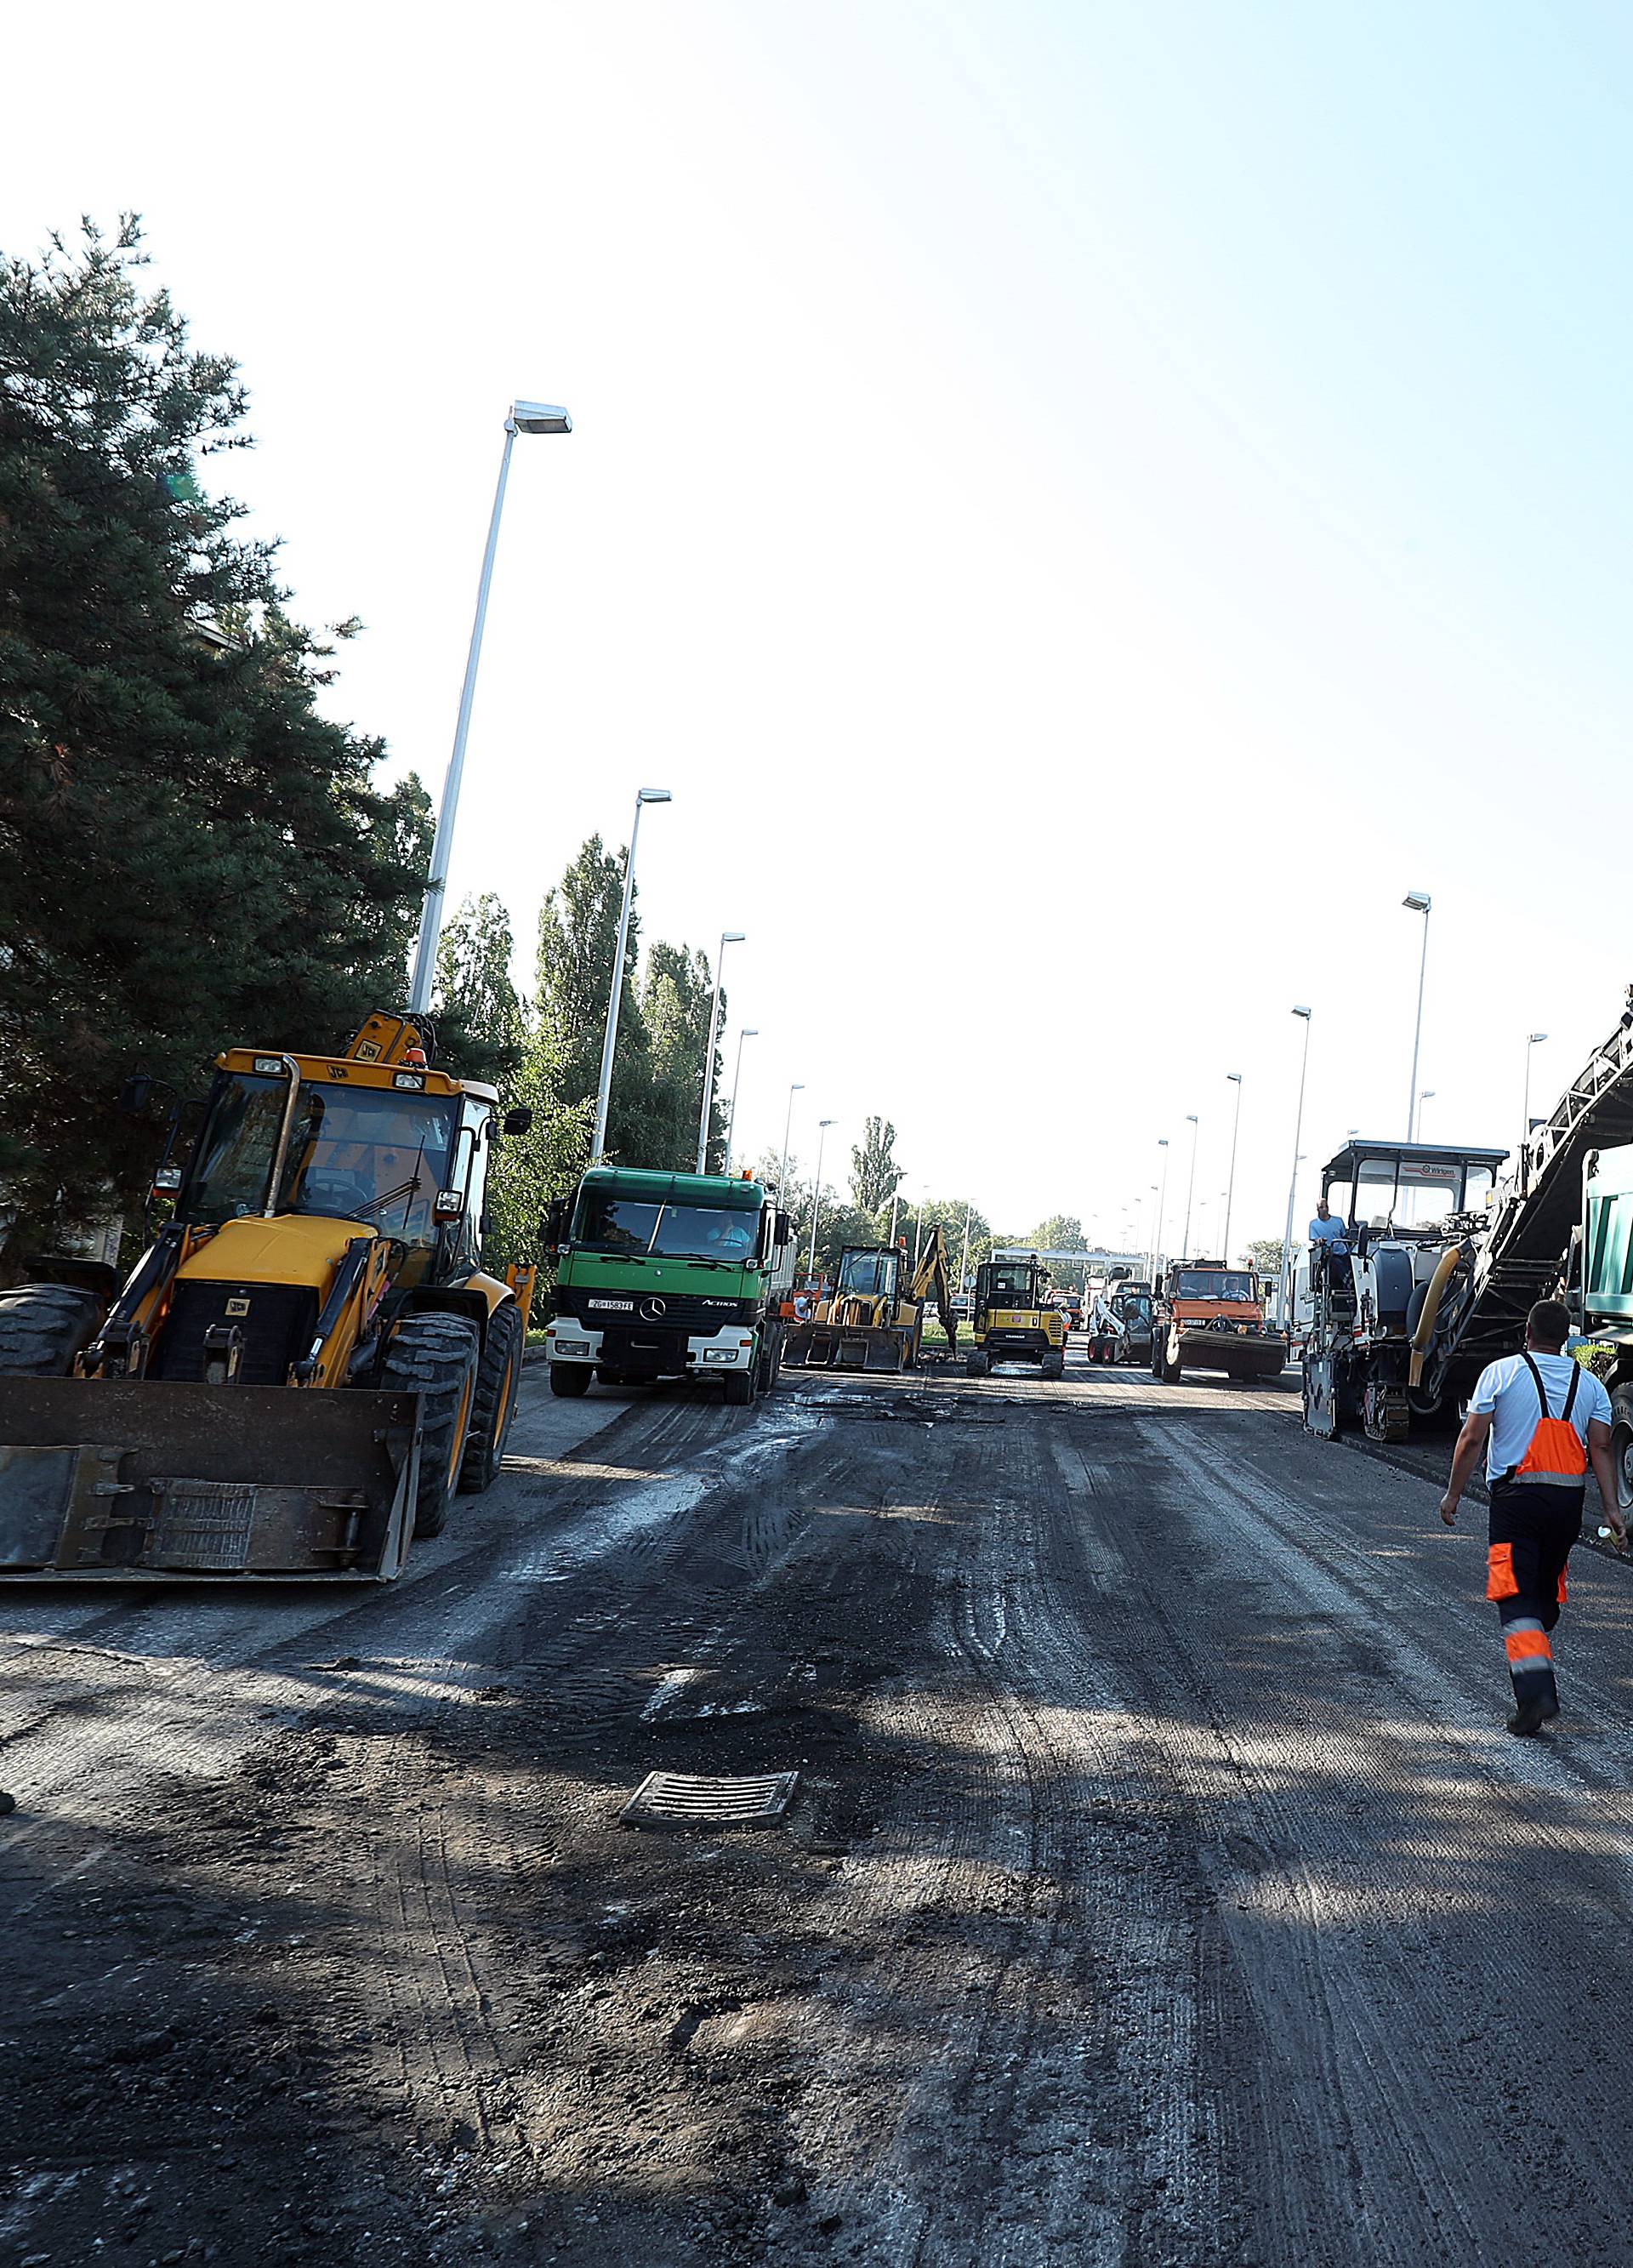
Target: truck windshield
x: 356, y: 1153
x: 1214, y: 1283
x: 606, y: 1222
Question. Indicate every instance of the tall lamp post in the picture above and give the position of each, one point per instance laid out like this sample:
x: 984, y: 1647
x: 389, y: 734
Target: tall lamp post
x: 1292, y: 1185
x: 816, y: 1194
x: 1235, y: 1078
x: 799, y: 1087
x: 748, y: 1032
x: 1162, y: 1208
x: 1425, y: 1094
x: 1419, y: 902
x: 1154, y: 1233
x: 1195, y: 1124
x: 727, y: 937
x: 521, y: 417
x: 609, y: 1040
x: 1534, y: 1040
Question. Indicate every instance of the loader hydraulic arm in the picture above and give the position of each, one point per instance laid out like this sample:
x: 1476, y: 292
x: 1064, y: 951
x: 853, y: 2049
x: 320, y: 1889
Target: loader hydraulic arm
x: 930, y: 1280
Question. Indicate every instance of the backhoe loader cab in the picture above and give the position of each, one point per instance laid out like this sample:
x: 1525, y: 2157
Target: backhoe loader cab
x: 1012, y: 1320
x: 308, y: 1361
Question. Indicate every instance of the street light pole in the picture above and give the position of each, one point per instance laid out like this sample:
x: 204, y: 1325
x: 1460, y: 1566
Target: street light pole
x: 1425, y: 1094
x: 727, y: 937
x: 748, y: 1032
x: 610, y: 1038
x: 816, y: 1194
x: 1235, y: 1078
x: 1419, y: 901
x: 1534, y: 1041
x: 799, y: 1087
x: 1195, y: 1124
x: 521, y: 417
x: 1292, y: 1186
x: 1162, y: 1207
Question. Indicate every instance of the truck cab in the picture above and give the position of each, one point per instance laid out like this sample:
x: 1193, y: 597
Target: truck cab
x: 666, y: 1275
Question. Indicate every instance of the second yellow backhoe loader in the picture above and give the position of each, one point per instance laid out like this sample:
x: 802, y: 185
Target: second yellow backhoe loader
x: 875, y: 1319
x: 308, y: 1361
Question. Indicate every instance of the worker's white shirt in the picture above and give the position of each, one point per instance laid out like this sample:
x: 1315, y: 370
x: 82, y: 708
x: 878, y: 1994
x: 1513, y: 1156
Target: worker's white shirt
x: 1507, y: 1393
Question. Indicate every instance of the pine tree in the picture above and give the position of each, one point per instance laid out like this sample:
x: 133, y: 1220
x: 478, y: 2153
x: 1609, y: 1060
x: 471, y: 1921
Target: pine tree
x: 190, y: 855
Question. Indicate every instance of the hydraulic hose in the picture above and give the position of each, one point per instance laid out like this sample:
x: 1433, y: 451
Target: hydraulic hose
x: 1449, y: 1264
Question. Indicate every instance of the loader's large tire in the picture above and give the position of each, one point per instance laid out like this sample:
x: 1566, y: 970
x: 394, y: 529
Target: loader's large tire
x: 43, y: 1326
x: 498, y: 1376
x: 1053, y: 1365
x: 436, y: 1356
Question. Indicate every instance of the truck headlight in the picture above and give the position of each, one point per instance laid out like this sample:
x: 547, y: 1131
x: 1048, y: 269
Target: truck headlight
x: 571, y: 1346
x: 719, y: 1354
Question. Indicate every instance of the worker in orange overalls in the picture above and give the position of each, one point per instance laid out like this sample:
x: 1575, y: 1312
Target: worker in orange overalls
x: 1542, y: 1420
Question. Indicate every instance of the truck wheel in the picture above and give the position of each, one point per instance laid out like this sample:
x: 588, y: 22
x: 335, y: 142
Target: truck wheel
x: 435, y: 1355
x: 498, y: 1376
x: 571, y: 1378
x: 1621, y: 1447
x: 1173, y: 1369
x: 739, y: 1388
x: 43, y: 1326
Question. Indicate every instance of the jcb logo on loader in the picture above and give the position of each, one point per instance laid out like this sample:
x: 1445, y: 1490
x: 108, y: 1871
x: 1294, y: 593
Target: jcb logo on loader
x: 338, y: 1071
x: 238, y: 1306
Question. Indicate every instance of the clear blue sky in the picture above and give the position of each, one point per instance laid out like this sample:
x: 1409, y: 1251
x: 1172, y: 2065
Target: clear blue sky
x: 1083, y: 506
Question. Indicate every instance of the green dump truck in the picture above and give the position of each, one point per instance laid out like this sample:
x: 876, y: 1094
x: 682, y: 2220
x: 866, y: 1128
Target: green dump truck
x: 668, y: 1276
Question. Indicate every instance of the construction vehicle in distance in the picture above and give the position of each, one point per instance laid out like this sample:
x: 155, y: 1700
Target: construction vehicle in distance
x: 662, y: 1275
x: 1011, y: 1321
x: 874, y: 1318
x: 307, y: 1362
x: 1388, y: 1339
x: 1206, y: 1316
x: 1120, y: 1322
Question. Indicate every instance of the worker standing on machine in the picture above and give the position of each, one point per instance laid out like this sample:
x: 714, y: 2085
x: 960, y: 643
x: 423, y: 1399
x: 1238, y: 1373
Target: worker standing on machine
x: 1541, y: 1419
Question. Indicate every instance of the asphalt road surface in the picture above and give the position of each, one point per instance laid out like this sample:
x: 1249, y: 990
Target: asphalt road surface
x: 1162, y: 1890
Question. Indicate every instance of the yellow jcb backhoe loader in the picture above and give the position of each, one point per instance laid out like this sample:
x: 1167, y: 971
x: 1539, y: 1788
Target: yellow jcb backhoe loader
x: 307, y: 1362
x: 873, y: 1322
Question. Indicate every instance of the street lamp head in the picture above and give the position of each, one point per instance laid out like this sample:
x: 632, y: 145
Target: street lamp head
x: 1419, y: 900
x: 1191, y: 1118
x: 1534, y: 1038
x: 654, y: 795
x: 827, y: 1122
x: 749, y: 1032
x: 1234, y: 1076
x: 539, y: 417
x: 798, y: 1086
x: 1162, y: 1141
x: 732, y: 935
x: 1305, y: 1013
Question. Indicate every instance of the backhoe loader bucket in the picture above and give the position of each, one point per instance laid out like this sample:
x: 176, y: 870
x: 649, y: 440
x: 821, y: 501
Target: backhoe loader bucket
x: 138, y: 1480
x: 843, y: 1346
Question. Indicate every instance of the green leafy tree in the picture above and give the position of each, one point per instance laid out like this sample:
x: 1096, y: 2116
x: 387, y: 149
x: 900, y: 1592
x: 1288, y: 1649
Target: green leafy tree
x: 1266, y: 1254
x: 480, y: 1023
x: 675, y: 997
x: 190, y: 854
x: 875, y: 1176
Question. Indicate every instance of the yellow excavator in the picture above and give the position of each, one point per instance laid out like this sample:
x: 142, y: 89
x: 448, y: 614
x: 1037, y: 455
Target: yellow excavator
x: 309, y: 1360
x: 875, y: 1319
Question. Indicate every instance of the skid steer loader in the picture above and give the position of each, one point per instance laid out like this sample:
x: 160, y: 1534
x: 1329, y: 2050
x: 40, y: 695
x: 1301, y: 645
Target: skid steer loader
x: 307, y: 1362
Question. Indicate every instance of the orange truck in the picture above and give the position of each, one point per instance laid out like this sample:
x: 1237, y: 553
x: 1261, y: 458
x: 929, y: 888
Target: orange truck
x: 1206, y: 1316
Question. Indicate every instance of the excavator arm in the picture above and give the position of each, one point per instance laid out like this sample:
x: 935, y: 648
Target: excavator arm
x: 929, y: 1281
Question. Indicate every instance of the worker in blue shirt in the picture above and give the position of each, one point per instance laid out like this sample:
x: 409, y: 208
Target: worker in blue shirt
x: 1325, y: 1230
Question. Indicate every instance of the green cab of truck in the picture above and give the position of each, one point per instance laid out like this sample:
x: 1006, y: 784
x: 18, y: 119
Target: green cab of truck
x: 668, y: 1276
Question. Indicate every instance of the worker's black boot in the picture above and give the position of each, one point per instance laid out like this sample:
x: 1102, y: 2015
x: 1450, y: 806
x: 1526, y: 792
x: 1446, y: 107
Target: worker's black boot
x: 1533, y: 1713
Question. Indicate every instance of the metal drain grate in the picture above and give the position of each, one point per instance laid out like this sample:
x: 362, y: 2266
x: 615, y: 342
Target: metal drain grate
x: 694, y: 1800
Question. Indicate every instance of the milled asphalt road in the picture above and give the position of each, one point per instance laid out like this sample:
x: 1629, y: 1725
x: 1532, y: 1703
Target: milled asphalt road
x: 1163, y: 1886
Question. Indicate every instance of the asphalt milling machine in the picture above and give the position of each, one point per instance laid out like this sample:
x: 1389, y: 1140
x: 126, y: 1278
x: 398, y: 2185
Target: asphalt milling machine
x: 1441, y: 1259
x: 307, y: 1364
